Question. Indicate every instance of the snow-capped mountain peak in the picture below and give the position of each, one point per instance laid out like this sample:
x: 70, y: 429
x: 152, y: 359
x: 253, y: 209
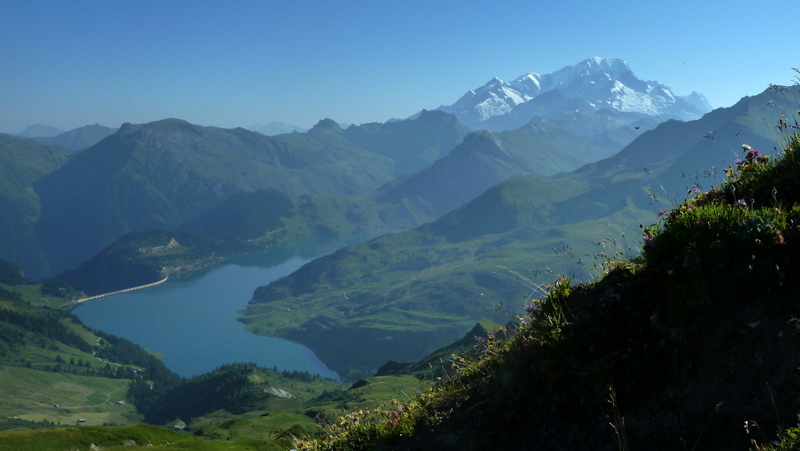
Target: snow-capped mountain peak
x: 599, y: 82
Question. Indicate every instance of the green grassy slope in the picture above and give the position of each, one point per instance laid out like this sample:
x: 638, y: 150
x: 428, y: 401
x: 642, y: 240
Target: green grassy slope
x: 55, y: 369
x: 91, y: 437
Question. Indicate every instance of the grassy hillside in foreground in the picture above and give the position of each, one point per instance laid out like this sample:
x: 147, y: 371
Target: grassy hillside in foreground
x: 134, y: 437
x: 693, y: 344
x: 400, y: 296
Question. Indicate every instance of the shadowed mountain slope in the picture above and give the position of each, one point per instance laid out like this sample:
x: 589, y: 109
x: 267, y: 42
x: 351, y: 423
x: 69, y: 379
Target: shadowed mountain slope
x: 22, y: 164
x: 162, y: 174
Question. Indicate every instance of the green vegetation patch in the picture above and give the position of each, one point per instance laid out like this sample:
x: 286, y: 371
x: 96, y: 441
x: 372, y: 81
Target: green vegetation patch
x: 85, y: 437
x: 63, y: 398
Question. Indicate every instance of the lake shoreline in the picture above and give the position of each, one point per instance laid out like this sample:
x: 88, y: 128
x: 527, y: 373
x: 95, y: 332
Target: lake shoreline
x: 191, y: 320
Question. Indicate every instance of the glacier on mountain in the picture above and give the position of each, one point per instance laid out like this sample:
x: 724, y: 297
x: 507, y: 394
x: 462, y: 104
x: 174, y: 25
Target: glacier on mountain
x: 595, y: 83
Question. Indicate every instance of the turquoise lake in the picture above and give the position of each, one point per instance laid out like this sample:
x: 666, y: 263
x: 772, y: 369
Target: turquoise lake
x: 191, y: 320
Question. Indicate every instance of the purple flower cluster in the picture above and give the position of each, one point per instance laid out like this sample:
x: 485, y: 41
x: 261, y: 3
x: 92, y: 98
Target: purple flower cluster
x: 533, y: 309
x: 751, y: 157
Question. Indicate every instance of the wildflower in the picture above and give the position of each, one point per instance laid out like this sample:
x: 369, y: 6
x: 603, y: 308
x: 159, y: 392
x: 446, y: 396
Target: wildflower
x: 741, y: 202
x: 533, y: 308
x: 670, y: 272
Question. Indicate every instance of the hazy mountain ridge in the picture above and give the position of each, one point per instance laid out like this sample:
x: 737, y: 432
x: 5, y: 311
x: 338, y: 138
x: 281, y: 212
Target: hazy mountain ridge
x: 483, y: 159
x: 400, y: 140
x: 277, y: 128
x: 596, y: 83
x: 39, y: 131
x: 160, y: 175
x: 79, y: 138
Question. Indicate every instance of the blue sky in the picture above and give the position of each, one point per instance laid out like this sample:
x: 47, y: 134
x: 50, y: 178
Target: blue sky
x: 245, y: 63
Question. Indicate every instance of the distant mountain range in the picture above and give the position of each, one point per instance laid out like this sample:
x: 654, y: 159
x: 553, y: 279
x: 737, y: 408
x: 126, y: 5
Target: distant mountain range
x: 168, y: 173
x: 594, y: 84
x: 79, y: 138
x: 559, y: 144
x: 160, y: 175
x: 39, y: 131
x: 171, y: 175
x: 277, y: 128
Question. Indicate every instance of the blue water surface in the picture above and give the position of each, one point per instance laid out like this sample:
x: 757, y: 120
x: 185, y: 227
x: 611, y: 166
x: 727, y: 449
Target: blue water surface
x: 191, y: 321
